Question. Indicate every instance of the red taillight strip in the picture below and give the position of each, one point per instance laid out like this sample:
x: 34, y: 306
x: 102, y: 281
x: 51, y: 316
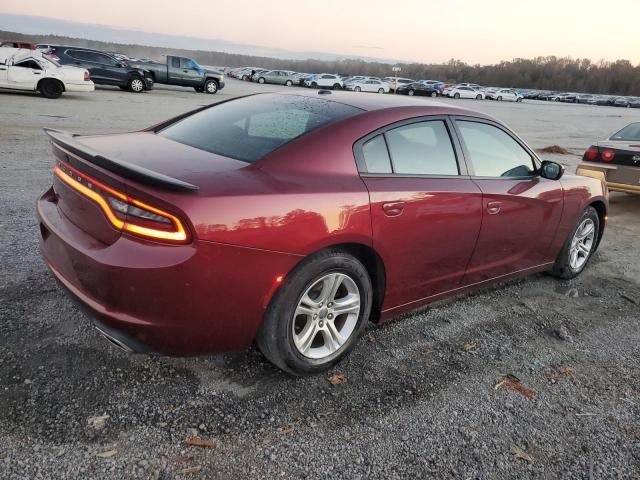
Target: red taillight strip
x: 178, y: 235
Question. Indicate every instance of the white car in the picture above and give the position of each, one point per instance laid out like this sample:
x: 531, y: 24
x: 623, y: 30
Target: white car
x: 324, y: 80
x: 465, y: 92
x: 507, y: 94
x: 22, y: 69
x: 368, y: 85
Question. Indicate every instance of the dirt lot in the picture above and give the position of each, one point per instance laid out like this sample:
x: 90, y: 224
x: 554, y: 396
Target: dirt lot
x: 419, y: 399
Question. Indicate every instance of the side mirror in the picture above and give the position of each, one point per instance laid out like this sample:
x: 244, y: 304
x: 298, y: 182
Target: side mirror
x: 551, y: 170
x: 121, y: 65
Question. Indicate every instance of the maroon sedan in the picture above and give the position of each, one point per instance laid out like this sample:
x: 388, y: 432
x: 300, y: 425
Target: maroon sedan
x: 293, y: 220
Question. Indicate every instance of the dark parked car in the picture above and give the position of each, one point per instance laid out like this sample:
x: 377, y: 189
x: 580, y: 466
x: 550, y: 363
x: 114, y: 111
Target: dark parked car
x: 418, y: 88
x: 185, y: 72
x: 105, y: 69
x: 396, y: 203
x: 616, y: 160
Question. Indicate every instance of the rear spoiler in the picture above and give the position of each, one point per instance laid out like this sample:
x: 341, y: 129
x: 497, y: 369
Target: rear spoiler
x: 125, y: 169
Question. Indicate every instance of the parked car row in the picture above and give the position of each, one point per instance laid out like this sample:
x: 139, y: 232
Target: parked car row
x: 587, y: 98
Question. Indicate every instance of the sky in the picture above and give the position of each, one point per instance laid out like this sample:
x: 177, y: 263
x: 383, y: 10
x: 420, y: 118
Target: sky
x: 412, y: 30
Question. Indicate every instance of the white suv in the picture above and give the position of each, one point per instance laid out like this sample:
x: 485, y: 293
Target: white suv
x: 324, y: 80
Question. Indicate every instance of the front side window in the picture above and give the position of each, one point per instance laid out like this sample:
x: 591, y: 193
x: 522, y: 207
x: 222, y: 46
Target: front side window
x: 422, y: 148
x: 189, y: 64
x: 249, y: 128
x: 493, y: 152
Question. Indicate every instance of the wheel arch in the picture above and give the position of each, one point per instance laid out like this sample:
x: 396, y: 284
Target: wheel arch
x: 372, y: 262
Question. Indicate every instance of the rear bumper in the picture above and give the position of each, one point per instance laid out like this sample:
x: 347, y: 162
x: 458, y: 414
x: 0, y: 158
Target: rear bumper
x: 174, y: 300
x: 600, y: 172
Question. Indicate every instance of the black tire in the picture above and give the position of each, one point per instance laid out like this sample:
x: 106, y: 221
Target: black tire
x: 357, y: 89
x: 211, y: 86
x: 199, y: 89
x: 479, y: 97
x: 499, y: 99
x: 411, y: 93
x: 50, y: 88
x: 261, y: 80
x: 314, y: 85
x: 381, y: 90
x: 288, y: 83
x: 456, y: 96
x: 136, y: 84
x: 275, y: 337
x: 336, y: 86
x: 434, y: 94
x: 562, y: 267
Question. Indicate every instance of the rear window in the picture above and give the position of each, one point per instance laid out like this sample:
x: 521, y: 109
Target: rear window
x: 630, y: 132
x: 251, y: 127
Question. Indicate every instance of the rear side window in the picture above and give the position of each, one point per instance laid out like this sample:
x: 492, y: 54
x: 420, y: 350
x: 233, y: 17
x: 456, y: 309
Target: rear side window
x: 376, y: 155
x: 422, y: 148
x: 493, y: 152
x: 630, y: 132
x: 249, y: 128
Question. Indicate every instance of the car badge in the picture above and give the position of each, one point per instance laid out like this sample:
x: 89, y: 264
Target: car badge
x: 636, y: 159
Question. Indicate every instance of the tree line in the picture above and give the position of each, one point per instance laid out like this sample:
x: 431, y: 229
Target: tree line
x: 618, y: 77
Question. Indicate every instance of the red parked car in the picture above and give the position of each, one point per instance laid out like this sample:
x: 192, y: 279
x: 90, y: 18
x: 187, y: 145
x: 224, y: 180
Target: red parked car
x: 291, y: 220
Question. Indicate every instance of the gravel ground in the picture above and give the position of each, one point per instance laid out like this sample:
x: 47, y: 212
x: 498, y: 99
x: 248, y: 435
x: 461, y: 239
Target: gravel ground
x: 419, y: 399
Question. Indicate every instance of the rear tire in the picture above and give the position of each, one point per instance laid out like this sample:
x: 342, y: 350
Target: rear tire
x: 434, y: 94
x: 336, y: 86
x: 381, y: 90
x: 457, y: 96
x: 499, y: 99
x: 261, y: 80
x: 136, y: 85
x: 578, y: 248
x: 281, y: 336
x: 357, y: 89
x: 411, y: 93
x: 478, y: 97
x: 288, y: 83
x: 50, y: 88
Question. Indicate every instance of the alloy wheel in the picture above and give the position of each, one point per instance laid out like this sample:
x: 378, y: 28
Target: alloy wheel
x: 582, y: 244
x: 137, y: 85
x: 326, y: 316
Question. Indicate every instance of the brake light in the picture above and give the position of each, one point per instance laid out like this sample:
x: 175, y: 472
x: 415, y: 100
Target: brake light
x: 124, y: 212
x: 592, y: 153
x: 608, y: 155
x: 87, y: 76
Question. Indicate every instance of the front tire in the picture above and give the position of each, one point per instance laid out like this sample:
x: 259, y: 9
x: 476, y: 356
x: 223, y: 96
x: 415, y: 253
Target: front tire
x: 317, y: 315
x: 261, y: 80
x: 411, y: 93
x: 478, y: 97
x: 381, y: 90
x: 50, y: 88
x: 357, y: 89
x: 136, y: 85
x: 288, y: 83
x: 211, y: 87
x: 434, y: 94
x: 579, y: 246
x: 457, y: 96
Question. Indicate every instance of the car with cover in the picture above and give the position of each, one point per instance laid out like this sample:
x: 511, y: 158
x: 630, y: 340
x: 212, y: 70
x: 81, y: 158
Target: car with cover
x: 29, y: 70
x: 293, y: 220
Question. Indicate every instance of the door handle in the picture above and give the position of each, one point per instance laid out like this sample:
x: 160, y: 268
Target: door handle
x: 393, y: 209
x: 185, y: 71
x: 493, y: 207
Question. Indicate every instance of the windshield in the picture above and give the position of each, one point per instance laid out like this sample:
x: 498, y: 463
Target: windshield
x: 249, y: 128
x: 630, y: 132
x: 46, y: 60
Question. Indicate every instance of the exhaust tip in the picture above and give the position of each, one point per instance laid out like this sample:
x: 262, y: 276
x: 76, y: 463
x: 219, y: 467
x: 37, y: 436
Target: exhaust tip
x: 115, y: 341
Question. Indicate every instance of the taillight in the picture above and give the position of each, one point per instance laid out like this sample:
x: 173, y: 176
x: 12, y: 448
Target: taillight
x: 592, y: 153
x: 87, y: 76
x: 125, y: 213
x: 608, y: 155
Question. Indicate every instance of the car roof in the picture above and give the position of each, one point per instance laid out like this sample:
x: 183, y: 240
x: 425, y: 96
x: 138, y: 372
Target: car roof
x: 17, y: 53
x: 373, y: 102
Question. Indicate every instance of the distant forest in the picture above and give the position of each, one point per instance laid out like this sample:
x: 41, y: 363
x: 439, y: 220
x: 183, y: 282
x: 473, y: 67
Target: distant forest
x: 620, y: 77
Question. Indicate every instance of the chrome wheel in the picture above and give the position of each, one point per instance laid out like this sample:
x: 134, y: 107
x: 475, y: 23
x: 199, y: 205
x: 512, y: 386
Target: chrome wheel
x: 326, y: 316
x: 582, y: 244
x: 137, y: 85
x: 211, y: 87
